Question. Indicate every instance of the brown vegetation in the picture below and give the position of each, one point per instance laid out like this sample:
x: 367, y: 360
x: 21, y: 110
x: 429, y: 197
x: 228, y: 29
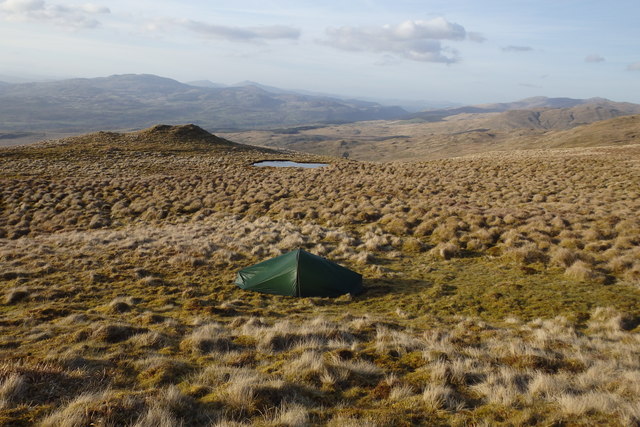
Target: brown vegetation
x: 500, y: 288
x: 454, y: 136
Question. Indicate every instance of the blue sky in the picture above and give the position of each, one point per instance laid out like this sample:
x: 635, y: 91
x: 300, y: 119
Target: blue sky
x: 460, y: 51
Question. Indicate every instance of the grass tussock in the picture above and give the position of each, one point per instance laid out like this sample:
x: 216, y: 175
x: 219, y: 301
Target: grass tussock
x: 582, y: 271
x: 11, y: 389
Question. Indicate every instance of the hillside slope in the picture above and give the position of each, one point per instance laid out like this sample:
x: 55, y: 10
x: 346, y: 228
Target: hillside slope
x: 538, y: 112
x: 139, y: 101
x: 618, y: 131
x: 164, y: 138
x: 458, y: 135
x: 561, y: 118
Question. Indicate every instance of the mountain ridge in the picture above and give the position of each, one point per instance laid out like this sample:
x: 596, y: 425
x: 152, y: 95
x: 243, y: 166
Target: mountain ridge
x: 31, y: 112
x: 532, y: 104
x: 131, y: 101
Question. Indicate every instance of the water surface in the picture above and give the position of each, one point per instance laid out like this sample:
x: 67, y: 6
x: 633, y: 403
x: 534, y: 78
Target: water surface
x: 289, y: 164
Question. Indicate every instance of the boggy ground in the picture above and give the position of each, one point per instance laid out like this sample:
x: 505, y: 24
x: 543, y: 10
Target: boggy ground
x: 500, y: 289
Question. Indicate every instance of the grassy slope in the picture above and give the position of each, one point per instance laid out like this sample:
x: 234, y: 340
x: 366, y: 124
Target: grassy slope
x: 460, y: 135
x: 486, y: 280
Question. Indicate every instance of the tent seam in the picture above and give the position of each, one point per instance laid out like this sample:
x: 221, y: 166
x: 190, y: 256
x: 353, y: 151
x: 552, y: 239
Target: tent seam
x: 298, y: 292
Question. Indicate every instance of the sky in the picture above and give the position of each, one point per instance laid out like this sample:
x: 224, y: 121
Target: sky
x: 467, y: 52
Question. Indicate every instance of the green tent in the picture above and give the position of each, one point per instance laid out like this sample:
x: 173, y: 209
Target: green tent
x: 301, y: 274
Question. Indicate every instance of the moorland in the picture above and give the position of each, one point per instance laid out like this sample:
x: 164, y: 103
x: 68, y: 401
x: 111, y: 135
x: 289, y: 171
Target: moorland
x: 501, y: 288
x: 461, y: 133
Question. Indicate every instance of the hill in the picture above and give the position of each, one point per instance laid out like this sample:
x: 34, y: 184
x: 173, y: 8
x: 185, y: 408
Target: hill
x: 164, y: 138
x: 538, y: 102
x: 205, y: 83
x: 618, y: 131
x: 138, y: 101
x: 561, y: 118
x: 558, y: 112
x: 454, y: 136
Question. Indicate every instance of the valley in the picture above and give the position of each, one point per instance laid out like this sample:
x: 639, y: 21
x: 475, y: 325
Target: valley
x: 457, y: 135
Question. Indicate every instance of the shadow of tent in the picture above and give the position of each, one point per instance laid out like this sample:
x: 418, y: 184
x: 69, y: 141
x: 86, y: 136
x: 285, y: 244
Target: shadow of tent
x: 378, y: 287
x: 385, y: 287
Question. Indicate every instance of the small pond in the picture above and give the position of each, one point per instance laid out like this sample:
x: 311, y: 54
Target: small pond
x: 289, y: 164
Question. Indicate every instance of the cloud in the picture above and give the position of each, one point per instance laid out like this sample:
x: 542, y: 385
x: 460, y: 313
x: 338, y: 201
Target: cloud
x: 388, y: 60
x: 517, y: 49
x: 240, y: 34
x: 476, y: 37
x: 634, y: 67
x: 94, y: 8
x: 529, y: 85
x: 73, y: 17
x: 414, y: 40
x: 594, y: 58
x: 21, y: 6
x: 224, y: 32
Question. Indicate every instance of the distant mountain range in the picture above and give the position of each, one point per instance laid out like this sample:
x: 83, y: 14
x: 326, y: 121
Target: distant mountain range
x: 139, y: 101
x: 206, y: 83
x: 245, y: 83
x: 538, y: 112
x: 410, y: 105
x: 33, y: 111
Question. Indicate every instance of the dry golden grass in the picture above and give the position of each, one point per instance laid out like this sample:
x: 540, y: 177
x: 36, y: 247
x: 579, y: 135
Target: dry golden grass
x: 501, y: 289
x: 455, y: 136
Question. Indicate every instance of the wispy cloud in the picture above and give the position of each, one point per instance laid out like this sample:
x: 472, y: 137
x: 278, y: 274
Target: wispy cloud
x: 634, y: 67
x: 68, y: 16
x: 414, y: 40
x: 388, y: 60
x: 517, y: 49
x: 476, y: 37
x: 594, y: 58
x: 240, y: 34
x: 225, y: 32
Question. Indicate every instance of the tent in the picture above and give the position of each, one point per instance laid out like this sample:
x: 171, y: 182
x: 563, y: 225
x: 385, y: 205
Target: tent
x: 301, y: 274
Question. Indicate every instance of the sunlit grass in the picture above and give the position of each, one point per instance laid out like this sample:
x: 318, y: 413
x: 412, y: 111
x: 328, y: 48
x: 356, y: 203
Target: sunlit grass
x: 500, y: 289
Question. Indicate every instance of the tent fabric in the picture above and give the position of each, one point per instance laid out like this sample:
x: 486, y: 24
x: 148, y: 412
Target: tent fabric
x: 301, y: 274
